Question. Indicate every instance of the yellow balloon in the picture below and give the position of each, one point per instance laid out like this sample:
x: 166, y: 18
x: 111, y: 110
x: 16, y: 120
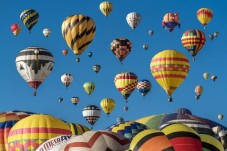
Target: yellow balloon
x: 106, y: 8
x: 107, y: 105
x: 78, y: 32
x: 89, y: 87
x: 169, y: 68
x: 206, y: 75
x: 204, y: 16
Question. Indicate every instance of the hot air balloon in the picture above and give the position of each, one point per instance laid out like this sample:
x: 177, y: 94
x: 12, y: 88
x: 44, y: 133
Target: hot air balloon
x: 121, y: 47
x: 89, y: 54
x: 67, y: 79
x: 97, y: 68
x: 106, y: 8
x: 46, y: 32
x: 128, y: 129
x: 15, y: 28
x: 150, y: 32
x: 206, y: 75
x: 60, y: 99
x: 91, y: 114
x: 126, y: 82
x: 193, y: 40
x: 7, y: 121
x: 78, y: 32
x: 204, y: 15
x: 211, y: 37
x: 97, y: 141
x: 30, y: 132
x: 210, y: 143
x: 214, y: 78
x: 198, y: 91
x: 77, y: 129
x: 107, y: 105
x: 34, y: 64
x: 54, y: 144
x: 216, y: 34
x: 64, y: 52
x: 89, y: 87
x: 75, y: 100
x: 169, y: 68
x: 29, y: 17
x: 125, y: 108
x: 133, y: 19
x: 183, y: 138
x: 144, y: 86
x: 150, y: 140
x: 145, y: 46
x: 220, y: 116
x: 170, y: 21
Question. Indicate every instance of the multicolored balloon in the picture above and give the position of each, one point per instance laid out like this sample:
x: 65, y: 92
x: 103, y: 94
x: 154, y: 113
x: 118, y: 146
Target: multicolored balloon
x: 106, y: 8
x: 121, y: 47
x: 97, y: 141
x: 46, y: 32
x: 89, y: 87
x: 66, y: 79
x: 30, y: 132
x: 78, y: 32
x: 198, y: 91
x: 15, y: 28
x: 204, y: 15
x: 97, y: 68
x: 150, y: 140
x: 170, y: 21
x: 169, y: 68
x: 133, y: 19
x: 7, y: 121
x: 193, y: 40
x: 210, y: 143
x: 144, y: 86
x: 126, y: 82
x: 91, y: 114
x: 75, y: 100
x: 107, y: 105
x: 77, y: 129
x: 220, y: 116
x: 29, y: 17
x: 34, y: 64
x: 214, y: 78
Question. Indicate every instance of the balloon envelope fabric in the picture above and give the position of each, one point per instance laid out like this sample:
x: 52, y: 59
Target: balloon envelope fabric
x: 77, y: 129
x: 97, y: 141
x: 7, y: 120
x: 127, y: 129
x: 151, y: 140
x: 30, y: 132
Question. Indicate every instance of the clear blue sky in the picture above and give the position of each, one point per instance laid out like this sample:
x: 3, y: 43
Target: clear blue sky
x: 16, y: 94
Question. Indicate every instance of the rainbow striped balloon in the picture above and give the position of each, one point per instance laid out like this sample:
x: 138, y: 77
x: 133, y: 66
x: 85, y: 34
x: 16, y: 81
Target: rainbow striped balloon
x: 32, y: 131
x: 193, y: 40
x: 169, y: 68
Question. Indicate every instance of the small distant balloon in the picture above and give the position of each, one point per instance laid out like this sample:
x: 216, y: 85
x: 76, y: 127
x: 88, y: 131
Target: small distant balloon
x: 106, y: 8
x: 133, y: 19
x: 170, y: 21
x: 29, y: 17
x: 89, y: 87
x: 75, y: 100
x: 64, y: 52
x: 89, y: 54
x: 198, y: 91
x: 150, y: 32
x: 220, y: 116
x: 216, y: 34
x: 97, y: 68
x: 67, y: 79
x: 204, y: 15
x: 46, y: 32
x: 211, y: 37
x: 206, y: 75
x: 214, y: 78
x: 145, y: 46
x: 15, y: 28
x: 60, y: 99
x: 125, y: 108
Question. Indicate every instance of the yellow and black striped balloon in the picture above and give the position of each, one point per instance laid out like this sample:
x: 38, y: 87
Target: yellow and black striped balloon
x: 78, y: 32
x: 29, y: 17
